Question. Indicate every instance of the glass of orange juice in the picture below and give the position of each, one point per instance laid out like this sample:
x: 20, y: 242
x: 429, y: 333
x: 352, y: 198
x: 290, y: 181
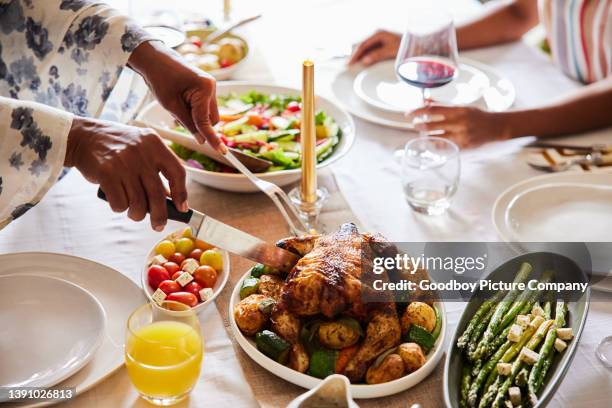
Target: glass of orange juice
x: 163, y: 351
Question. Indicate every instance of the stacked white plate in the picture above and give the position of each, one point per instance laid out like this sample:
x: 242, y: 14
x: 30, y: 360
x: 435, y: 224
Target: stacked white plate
x: 563, y: 207
x: 63, y: 321
x: 376, y: 94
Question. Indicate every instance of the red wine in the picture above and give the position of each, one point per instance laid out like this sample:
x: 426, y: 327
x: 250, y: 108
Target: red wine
x: 423, y: 72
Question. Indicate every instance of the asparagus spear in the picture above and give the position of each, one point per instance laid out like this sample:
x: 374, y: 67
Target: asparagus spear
x: 547, y: 310
x: 465, y: 386
x: 490, y: 394
x: 528, y: 297
x: 482, y: 375
x: 514, y: 349
x: 500, y: 311
x: 522, y: 377
x: 538, y: 372
x: 481, y: 313
x: 497, y: 342
x: 477, y: 333
x: 518, y: 363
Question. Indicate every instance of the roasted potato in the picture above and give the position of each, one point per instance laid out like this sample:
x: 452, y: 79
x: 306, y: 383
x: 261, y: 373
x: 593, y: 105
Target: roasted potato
x: 421, y: 314
x: 412, y: 355
x: 249, y: 316
x: 270, y: 286
x: 339, y: 334
x: 391, y: 368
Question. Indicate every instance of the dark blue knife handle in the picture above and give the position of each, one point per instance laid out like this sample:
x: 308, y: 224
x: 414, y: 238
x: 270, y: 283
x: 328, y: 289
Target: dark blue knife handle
x: 173, y: 212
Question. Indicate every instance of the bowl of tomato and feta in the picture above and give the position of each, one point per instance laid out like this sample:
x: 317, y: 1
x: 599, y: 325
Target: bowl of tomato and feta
x: 186, y: 270
x: 264, y: 121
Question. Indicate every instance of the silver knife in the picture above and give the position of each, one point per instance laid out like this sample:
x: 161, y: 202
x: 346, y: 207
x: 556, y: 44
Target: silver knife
x: 233, y: 240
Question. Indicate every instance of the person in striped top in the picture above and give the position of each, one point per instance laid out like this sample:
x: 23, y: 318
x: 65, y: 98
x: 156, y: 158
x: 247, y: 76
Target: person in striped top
x: 579, y: 34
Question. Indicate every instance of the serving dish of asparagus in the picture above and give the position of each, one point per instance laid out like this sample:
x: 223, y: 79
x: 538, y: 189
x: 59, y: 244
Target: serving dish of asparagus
x: 512, y: 348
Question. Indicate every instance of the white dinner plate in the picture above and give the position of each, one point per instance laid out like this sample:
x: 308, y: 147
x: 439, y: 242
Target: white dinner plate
x: 156, y: 115
x: 33, y: 308
x: 564, y: 207
x: 309, y: 382
x: 379, y: 87
x: 117, y: 294
x: 499, y: 95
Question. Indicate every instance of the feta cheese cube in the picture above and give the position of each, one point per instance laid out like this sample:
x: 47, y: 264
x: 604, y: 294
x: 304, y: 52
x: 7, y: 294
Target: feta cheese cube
x: 190, y: 265
x: 184, y: 278
x: 158, y: 296
x: 515, y: 395
x: 205, y: 294
x: 523, y: 320
x: 158, y: 260
x: 537, y: 321
x: 504, y: 368
x: 529, y: 356
x: 537, y: 311
x: 560, y: 345
x: 565, y: 333
x: 515, y: 333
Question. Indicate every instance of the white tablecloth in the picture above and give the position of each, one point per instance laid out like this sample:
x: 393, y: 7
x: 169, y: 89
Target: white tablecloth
x: 71, y: 220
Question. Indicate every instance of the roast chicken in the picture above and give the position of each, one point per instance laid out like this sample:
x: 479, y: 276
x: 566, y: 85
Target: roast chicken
x: 331, y: 280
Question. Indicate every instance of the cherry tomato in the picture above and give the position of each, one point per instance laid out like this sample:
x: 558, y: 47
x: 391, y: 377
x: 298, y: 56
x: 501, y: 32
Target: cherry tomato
x: 184, y: 297
x: 187, y: 233
x: 293, y: 106
x: 195, y: 40
x: 196, y: 254
x: 156, y: 274
x: 177, y: 258
x: 184, y: 245
x: 224, y: 63
x: 176, y: 275
x: 255, y: 120
x: 171, y: 267
x: 202, y: 245
x: 206, y: 276
x: 193, y: 287
x: 165, y: 248
x: 213, y: 258
x: 169, y: 286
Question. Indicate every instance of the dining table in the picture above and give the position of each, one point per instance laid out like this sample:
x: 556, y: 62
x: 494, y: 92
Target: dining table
x: 72, y: 220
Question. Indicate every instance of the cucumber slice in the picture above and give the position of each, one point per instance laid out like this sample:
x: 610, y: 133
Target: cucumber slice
x: 420, y: 336
x: 252, y: 137
x: 249, y: 286
x: 232, y: 128
x: 272, y: 345
x: 277, y: 134
x: 438, y: 328
x: 280, y: 123
x: 322, y: 363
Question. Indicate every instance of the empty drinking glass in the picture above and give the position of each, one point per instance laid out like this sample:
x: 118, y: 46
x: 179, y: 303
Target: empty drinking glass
x: 430, y: 174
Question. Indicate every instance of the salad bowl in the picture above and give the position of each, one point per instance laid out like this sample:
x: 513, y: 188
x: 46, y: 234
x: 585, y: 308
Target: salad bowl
x: 156, y: 115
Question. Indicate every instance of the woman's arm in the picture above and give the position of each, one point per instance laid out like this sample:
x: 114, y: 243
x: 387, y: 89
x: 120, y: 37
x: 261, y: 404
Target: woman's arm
x: 588, y: 108
x: 502, y: 23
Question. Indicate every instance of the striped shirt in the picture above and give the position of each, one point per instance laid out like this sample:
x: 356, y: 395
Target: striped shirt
x: 580, y: 36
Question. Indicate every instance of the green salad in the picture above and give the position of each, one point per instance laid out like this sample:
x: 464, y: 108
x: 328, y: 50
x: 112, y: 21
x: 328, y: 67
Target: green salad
x: 266, y: 126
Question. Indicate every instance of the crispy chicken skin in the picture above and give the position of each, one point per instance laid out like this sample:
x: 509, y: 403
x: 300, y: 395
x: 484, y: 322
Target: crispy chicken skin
x: 328, y: 280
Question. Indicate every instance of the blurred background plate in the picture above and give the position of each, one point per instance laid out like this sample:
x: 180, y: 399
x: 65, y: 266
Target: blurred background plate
x: 379, y: 87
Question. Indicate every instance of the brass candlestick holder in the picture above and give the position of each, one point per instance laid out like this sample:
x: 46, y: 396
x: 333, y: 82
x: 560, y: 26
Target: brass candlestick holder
x: 307, y: 198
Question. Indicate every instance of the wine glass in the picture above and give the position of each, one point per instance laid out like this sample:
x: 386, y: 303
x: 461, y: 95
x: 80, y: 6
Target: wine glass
x: 427, y: 56
x: 163, y: 351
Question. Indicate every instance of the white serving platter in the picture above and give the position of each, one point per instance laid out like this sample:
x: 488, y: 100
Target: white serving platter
x: 309, y: 382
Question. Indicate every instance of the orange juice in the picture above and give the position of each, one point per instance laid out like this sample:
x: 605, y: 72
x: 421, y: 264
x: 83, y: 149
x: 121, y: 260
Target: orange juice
x: 163, y: 359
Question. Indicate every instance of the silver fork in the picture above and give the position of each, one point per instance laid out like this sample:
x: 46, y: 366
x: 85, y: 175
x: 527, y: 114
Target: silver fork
x: 276, y: 194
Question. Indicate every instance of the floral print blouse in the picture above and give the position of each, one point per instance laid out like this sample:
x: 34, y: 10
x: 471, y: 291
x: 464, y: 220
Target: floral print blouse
x: 58, y: 58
